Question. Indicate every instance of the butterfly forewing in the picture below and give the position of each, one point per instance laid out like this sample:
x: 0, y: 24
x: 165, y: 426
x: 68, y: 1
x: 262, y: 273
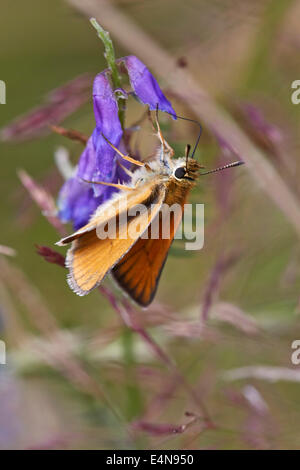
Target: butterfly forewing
x: 90, y: 258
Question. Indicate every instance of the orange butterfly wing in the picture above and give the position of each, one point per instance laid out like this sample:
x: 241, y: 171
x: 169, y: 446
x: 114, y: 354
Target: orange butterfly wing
x: 90, y: 258
x: 139, y: 270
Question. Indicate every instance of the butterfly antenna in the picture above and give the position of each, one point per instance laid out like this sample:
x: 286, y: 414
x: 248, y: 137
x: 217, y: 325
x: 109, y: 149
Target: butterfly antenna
x: 230, y: 165
x: 190, y: 120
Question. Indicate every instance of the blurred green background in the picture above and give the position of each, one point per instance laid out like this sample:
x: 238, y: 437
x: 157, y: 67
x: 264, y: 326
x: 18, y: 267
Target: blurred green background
x: 240, y: 53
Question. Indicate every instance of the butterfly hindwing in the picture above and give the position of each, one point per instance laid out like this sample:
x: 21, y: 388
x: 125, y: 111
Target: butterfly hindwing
x: 138, y: 272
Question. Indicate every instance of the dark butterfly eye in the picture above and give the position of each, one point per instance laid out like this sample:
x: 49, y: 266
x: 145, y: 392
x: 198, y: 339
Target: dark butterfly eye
x: 180, y: 172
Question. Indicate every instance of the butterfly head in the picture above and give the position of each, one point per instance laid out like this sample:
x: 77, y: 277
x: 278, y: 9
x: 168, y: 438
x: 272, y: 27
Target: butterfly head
x: 186, y: 172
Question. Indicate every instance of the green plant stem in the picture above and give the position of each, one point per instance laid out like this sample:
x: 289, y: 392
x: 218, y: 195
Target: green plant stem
x: 110, y: 57
x: 134, y: 403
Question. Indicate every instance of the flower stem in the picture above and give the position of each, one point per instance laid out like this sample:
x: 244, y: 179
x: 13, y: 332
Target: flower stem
x: 134, y: 399
x: 110, y: 57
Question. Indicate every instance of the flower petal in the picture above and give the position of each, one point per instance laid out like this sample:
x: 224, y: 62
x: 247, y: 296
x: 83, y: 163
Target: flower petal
x: 108, y: 124
x: 76, y: 202
x: 145, y: 86
x: 97, y: 162
x: 87, y: 161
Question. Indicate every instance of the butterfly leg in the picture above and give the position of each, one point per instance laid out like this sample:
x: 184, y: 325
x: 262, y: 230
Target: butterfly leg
x: 113, y: 185
x: 125, y: 157
x: 128, y: 172
x: 165, y: 146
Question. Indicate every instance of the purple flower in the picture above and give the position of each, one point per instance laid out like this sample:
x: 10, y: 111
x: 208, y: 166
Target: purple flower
x: 76, y: 202
x: 107, y: 123
x: 78, y: 199
x: 145, y: 86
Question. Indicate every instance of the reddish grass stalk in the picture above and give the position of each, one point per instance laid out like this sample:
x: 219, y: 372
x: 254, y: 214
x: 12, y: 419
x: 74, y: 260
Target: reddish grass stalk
x: 58, y: 104
x: 128, y: 318
x: 161, y: 429
x: 59, y: 357
x: 222, y: 264
x: 43, y: 199
x: 50, y: 255
x: 126, y: 313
